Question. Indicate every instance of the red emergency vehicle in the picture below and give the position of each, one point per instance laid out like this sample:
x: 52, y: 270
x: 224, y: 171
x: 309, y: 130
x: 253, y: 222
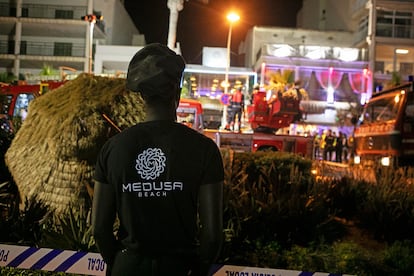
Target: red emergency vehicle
x: 16, y: 98
x: 273, y: 113
x: 385, y: 133
x: 190, y: 112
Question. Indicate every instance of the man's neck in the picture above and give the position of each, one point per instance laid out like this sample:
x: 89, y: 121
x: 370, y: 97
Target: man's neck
x: 161, y: 113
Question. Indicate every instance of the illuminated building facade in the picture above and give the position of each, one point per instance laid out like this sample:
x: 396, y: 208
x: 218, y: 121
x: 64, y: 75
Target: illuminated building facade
x: 341, y: 52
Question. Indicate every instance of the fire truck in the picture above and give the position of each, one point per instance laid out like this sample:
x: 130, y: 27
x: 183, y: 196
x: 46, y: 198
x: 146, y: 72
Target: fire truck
x: 15, y: 99
x: 190, y: 112
x: 385, y: 133
x: 269, y: 115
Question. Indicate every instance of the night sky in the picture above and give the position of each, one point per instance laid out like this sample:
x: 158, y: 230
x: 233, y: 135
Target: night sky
x: 202, y: 25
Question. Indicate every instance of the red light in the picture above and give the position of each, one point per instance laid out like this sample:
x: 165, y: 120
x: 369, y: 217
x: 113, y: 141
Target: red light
x: 92, y: 18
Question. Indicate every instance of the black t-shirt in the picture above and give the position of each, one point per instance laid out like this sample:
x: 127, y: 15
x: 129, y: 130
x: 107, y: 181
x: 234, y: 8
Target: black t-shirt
x: 156, y: 169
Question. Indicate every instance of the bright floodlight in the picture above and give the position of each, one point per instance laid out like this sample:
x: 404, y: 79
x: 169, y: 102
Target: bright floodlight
x: 233, y: 17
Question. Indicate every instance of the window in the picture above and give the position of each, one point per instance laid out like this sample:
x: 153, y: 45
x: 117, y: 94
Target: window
x: 64, y: 14
x: 10, y: 47
x: 12, y: 11
x: 394, y: 23
x: 406, y: 68
x: 25, y: 12
x: 23, y: 47
x: 384, y: 17
x: 62, y: 49
x: 22, y: 103
x: 379, y: 67
x: 382, y: 109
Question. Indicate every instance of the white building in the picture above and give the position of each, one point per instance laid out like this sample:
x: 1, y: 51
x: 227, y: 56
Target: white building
x: 340, y: 50
x: 35, y: 33
x: 385, y: 28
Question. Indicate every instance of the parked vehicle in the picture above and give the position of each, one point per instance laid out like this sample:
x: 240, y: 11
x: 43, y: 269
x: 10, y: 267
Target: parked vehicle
x: 190, y: 112
x: 385, y: 133
x: 15, y: 99
x: 269, y: 115
x: 257, y: 141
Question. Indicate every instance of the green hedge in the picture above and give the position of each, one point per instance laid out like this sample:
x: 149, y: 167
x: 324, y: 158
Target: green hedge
x: 277, y: 215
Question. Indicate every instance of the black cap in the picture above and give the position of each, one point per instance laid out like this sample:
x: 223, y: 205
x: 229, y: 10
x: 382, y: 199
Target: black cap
x: 155, y: 70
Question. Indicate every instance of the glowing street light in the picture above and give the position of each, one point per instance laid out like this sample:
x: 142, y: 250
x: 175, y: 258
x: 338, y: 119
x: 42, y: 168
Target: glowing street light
x: 231, y: 17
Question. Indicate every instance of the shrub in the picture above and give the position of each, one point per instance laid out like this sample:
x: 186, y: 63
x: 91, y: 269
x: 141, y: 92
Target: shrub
x: 388, y: 209
x: 399, y: 257
x: 272, y: 197
x: 276, y: 215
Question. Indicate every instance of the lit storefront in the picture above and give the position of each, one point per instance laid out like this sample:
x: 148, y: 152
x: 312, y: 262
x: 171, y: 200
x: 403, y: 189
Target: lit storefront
x: 206, y: 84
x: 335, y: 79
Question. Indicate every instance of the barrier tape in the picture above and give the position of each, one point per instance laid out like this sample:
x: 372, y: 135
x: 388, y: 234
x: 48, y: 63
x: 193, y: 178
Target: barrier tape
x: 229, y: 270
x: 55, y: 260
x: 78, y: 262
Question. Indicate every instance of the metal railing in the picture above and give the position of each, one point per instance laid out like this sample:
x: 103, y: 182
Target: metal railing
x: 394, y: 31
x: 52, y: 11
x: 44, y: 49
x: 47, y: 12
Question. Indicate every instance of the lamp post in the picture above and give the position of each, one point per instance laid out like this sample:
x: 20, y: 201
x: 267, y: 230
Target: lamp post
x: 231, y: 17
x: 92, y: 19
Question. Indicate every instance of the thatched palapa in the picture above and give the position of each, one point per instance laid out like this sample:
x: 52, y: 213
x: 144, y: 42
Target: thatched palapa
x: 53, y: 154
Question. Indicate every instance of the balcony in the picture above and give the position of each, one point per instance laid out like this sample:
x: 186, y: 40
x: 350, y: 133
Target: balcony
x: 394, y: 31
x: 313, y: 52
x: 35, y: 48
x: 40, y: 11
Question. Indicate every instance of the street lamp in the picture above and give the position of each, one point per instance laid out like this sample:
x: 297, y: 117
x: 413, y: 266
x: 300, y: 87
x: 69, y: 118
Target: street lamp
x: 231, y: 17
x: 92, y: 19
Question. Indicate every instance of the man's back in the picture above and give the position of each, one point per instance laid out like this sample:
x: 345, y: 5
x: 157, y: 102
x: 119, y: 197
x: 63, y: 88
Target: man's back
x: 156, y: 168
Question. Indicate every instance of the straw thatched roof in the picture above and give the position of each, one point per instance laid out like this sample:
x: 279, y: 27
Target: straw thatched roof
x: 53, y: 154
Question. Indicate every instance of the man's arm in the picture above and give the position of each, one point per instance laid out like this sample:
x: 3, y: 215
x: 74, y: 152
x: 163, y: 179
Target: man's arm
x: 211, y: 219
x: 103, y: 217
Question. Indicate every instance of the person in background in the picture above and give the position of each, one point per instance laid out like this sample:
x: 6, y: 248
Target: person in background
x: 322, y: 145
x: 317, y: 145
x: 230, y: 115
x: 344, y: 147
x: 338, y: 147
x: 329, y: 146
x: 161, y: 180
x: 237, y: 107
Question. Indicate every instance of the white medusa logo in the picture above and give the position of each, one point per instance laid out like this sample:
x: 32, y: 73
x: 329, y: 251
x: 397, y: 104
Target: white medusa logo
x: 150, y: 163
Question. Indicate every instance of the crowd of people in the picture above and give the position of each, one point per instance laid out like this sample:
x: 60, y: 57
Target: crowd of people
x: 331, y: 146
